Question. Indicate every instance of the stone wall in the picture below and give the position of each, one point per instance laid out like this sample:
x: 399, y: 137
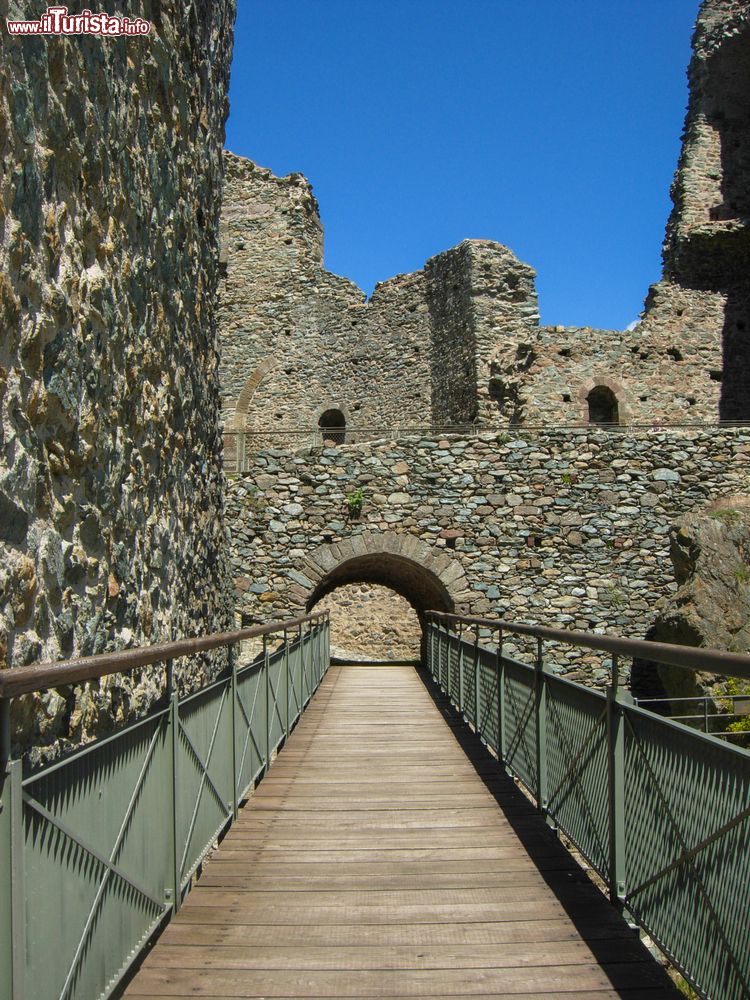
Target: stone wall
x: 111, y: 529
x: 454, y: 343
x: 707, y: 246
x: 688, y: 359
x: 667, y: 370
x: 297, y: 340
x: 370, y: 622
x: 460, y: 340
x: 560, y: 528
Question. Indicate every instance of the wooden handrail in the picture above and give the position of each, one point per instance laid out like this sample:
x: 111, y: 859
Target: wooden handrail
x: 42, y: 676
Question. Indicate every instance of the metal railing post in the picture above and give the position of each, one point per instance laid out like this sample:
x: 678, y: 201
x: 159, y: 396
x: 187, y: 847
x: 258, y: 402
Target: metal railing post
x: 616, y: 760
x: 17, y: 887
x: 446, y: 688
x: 233, y: 691
x: 328, y: 643
x: 12, y: 893
x: 318, y: 657
x: 6, y: 853
x: 302, y: 672
x: 477, y: 685
x: 441, y: 653
x: 540, y: 703
x: 438, y: 640
x: 267, y: 672
x: 289, y: 683
x: 173, y: 734
x: 500, y: 699
x: 460, y: 670
x: 313, y: 662
x: 4, y: 734
x: 436, y: 650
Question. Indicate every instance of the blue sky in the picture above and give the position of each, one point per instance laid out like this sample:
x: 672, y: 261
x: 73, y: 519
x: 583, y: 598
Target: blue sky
x: 552, y: 126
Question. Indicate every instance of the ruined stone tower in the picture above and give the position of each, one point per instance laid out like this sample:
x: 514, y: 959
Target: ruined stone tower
x: 708, y: 237
x: 110, y: 479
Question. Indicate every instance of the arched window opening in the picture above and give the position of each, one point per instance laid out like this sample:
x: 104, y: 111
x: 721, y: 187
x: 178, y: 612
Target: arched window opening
x: 333, y: 426
x: 602, y: 404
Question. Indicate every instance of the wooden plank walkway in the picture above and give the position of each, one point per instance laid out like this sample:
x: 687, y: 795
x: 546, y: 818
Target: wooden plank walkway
x: 378, y: 859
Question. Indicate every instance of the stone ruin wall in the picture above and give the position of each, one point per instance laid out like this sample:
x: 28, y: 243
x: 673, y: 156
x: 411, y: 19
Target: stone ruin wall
x: 456, y: 342
x: 298, y: 340
x: 666, y: 371
x: 111, y: 488
x: 460, y: 340
x: 568, y: 529
x: 685, y: 361
x: 707, y: 247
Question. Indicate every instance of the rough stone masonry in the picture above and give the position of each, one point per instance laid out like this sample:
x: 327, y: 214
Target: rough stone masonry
x: 460, y: 341
x: 111, y: 488
x: 565, y: 528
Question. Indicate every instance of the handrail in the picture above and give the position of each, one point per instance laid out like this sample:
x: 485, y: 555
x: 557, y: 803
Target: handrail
x: 42, y: 676
x: 112, y: 831
x: 475, y: 429
x: 687, y: 657
x: 659, y: 810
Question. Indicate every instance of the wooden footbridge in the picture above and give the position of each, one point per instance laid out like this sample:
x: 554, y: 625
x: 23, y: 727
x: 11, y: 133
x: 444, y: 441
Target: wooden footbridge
x: 385, y: 852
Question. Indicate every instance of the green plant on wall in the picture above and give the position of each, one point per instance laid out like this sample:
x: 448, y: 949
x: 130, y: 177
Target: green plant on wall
x: 354, y: 501
x: 253, y: 500
x: 741, y: 725
x: 728, y: 515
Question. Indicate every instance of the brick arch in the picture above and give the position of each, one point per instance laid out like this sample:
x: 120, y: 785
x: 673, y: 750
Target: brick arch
x: 427, y: 577
x: 624, y: 402
x: 248, y: 391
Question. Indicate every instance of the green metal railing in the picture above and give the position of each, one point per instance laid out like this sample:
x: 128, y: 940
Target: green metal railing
x: 660, y: 811
x: 98, y: 849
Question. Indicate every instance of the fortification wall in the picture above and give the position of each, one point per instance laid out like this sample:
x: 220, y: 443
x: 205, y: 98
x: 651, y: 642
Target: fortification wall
x: 460, y: 340
x: 298, y: 340
x: 666, y: 370
x: 560, y: 528
x: 111, y: 486
x: 456, y: 342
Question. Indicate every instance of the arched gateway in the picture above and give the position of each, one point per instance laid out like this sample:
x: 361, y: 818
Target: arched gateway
x: 427, y: 577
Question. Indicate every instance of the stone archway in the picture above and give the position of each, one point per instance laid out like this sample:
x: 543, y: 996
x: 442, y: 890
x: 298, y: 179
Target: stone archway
x: 621, y: 396
x: 242, y: 408
x: 427, y: 577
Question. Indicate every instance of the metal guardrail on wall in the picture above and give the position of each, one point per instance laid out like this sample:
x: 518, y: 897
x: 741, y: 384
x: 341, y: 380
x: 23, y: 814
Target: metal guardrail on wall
x: 241, y: 445
x: 98, y: 850
x: 660, y: 811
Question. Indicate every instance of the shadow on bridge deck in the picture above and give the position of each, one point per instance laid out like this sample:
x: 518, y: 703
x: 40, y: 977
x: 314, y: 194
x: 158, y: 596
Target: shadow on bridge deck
x: 386, y: 855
